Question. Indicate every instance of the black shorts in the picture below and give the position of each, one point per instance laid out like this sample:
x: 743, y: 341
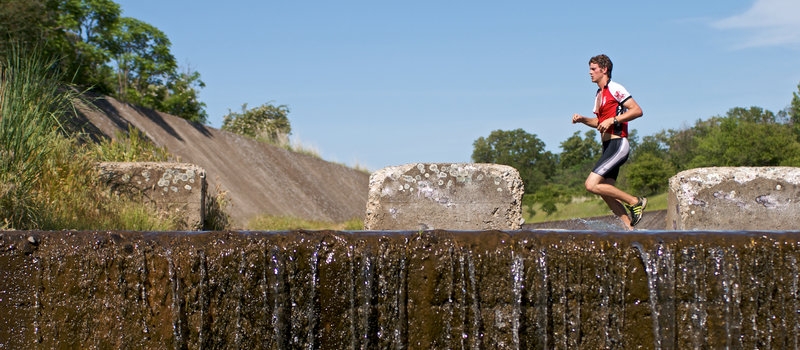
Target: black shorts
x: 615, y: 153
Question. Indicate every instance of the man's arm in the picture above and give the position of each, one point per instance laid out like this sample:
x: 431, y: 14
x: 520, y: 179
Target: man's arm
x: 590, y: 122
x: 633, y: 111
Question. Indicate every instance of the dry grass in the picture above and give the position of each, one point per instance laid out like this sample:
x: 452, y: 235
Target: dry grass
x: 287, y: 223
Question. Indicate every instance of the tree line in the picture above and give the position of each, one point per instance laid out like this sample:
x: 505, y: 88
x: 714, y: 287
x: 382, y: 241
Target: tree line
x: 742, y: 137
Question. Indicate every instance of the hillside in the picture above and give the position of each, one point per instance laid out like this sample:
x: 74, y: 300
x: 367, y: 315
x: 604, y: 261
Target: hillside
x: 259, y: 178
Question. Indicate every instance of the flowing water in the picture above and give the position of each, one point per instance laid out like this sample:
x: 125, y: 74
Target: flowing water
x: 400, y: 290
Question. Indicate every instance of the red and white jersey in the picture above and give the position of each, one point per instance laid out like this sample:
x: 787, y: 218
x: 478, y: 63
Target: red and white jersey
x: 608, y: 104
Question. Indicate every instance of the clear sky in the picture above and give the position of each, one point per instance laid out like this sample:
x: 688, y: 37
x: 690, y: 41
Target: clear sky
x: 382, y: 83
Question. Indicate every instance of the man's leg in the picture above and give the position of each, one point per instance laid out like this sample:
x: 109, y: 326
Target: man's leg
x: 605, y: 188
x: 611, y: 195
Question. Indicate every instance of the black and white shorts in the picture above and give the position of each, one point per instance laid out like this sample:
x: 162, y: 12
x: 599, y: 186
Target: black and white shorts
x: 615, y: 153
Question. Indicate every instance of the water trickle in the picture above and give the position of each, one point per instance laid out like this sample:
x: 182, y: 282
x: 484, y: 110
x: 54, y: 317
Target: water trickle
x: 402, y: 290
x: 659, y: 265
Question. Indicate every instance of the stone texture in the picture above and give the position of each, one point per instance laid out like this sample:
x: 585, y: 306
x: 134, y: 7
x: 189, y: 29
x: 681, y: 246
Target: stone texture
x: 735, y: 198
x: 174, y: 189
x: 451, y: 196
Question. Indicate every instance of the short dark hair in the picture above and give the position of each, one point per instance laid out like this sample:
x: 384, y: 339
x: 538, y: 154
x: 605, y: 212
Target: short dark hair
x: 603, y: 61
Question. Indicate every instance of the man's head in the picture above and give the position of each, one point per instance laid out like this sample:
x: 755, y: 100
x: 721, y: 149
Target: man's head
x: 600, y: 65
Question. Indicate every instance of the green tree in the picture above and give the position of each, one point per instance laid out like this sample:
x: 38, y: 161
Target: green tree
x: 143, y: 59
x: 577, y: 151
x: 794, y: 112
x: 84, y: 31
x: 746, y: 137
x: 179, y: 97
x: 267, y: 123
x: 24, y: 23
x: 518, y: 149
x: 649, y: 173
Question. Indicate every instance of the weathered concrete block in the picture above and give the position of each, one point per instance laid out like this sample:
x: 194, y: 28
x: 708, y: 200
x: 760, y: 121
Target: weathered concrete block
x: 175, y: 190
x: 735, y: 198
x: 451, y: 196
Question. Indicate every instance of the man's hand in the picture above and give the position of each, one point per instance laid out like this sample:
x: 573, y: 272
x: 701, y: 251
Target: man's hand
x: 577, y: 118
x: 605, y: 125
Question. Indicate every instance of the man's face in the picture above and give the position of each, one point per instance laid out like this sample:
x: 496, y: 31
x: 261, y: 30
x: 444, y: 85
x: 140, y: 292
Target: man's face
x: 596, y: 72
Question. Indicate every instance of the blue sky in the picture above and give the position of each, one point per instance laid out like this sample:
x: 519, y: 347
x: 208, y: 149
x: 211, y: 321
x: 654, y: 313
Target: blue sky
x: 383, y: 83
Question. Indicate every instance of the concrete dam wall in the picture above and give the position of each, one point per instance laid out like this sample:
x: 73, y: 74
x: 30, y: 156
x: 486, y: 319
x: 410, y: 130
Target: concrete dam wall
x: 415, y: 290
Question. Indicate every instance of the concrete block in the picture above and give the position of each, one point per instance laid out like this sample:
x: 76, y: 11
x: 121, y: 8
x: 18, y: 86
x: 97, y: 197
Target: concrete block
x: 735, y: 198
x: 175, y: 190
x: 450, y: 196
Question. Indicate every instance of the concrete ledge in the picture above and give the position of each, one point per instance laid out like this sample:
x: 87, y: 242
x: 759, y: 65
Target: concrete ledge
x: 451, y: 196
x: 735, y: 198
x: 174, y: 189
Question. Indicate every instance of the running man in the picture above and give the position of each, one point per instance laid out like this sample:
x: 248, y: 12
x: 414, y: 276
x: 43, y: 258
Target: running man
x: 614, y: 108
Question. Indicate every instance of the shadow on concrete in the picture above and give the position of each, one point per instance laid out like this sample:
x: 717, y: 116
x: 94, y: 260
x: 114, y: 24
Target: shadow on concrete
x: 158, y: 120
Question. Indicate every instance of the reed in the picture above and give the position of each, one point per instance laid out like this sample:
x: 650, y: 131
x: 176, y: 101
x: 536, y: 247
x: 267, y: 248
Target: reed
x: 31, y: 101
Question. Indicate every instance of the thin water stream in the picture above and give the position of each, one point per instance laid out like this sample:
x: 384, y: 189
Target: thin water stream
x: 400, y: 290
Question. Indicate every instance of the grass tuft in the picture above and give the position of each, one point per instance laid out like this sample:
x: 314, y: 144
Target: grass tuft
x: 287, y: 223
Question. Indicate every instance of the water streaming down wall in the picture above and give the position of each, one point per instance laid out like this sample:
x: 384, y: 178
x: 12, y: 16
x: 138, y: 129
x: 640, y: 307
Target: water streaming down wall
x: 367, y: 290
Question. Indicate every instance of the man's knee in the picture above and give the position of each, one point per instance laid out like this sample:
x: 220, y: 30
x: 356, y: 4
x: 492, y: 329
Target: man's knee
x: 591, y: 185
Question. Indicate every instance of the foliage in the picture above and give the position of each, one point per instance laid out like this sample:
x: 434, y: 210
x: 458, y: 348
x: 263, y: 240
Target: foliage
x: 576, y: 160
x: 577, y: 151
x: 794, y: 112
x: 650, y: 174
x: 73, y: 199
x: 746, y: 137
x: 549, y: 196
x: 113, y: 55
x: 518, y: 149
x: 30, y: 103
x: 266, y: 123
x: 48, y: 179
x: 130, y: 147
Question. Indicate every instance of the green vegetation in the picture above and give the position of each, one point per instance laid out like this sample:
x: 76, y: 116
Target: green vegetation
x: 47, y: 178
x: 105, y: 52
x: 267, y: 123
x: 286, y: 223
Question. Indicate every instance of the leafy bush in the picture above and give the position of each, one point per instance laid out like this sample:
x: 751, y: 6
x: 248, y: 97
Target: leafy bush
x: 267, y: 123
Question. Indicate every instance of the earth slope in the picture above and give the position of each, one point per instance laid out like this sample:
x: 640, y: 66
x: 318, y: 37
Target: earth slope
x: 259, y: 178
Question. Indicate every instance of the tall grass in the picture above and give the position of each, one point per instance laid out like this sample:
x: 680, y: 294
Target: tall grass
x: 31, y: 101
x: 132, y: 146
x: 47, y: 178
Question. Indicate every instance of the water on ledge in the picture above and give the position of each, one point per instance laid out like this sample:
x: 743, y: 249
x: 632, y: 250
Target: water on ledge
x: 399, y: 290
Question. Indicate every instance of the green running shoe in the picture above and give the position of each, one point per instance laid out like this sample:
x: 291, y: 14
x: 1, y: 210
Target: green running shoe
x: 637, y: 210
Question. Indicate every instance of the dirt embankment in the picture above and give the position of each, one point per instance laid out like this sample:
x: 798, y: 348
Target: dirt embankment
x: 259, y: 178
